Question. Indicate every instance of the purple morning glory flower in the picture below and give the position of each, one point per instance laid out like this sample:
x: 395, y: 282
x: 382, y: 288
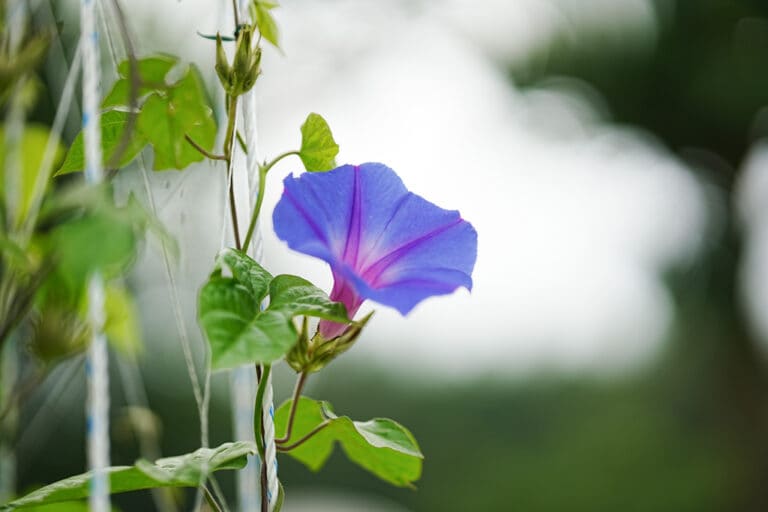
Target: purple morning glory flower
x: 382, y: 242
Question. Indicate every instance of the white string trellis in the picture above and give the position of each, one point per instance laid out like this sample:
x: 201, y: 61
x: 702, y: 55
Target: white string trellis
x: 97, y: 364
x: 244, y: 378
x: 201, y: 394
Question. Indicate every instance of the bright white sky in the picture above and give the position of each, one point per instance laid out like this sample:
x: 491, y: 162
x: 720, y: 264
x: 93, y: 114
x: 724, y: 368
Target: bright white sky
x: 575, y: 217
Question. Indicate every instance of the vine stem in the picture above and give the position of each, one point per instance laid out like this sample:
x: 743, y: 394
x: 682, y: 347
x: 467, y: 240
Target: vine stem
x: 307, y: 437
x: 228, y: 143
x: 200, y: 149
x: 300, y: 382
x: 210, y: 499
x: 263, y: 170
x: 258, y: 413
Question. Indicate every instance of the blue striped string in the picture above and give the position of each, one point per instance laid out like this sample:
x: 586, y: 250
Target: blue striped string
x: 244, y: 378
x: 97, y: 364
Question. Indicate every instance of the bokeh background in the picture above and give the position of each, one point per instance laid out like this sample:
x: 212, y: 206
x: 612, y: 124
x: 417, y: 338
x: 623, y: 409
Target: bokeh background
x: 612, y: 156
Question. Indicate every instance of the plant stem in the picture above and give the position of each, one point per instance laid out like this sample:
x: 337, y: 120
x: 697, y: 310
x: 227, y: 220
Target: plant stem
x: 258, y: 413
x: 256, y: 209
x: 228, y: 143
x: 287, y: 448
x: 202, y: 150
x: 263, y: 170
x: 264, y: 495
x: 235, y: 12
x: 241, y: 142
x: 294, y: 405
x: 210, y: 500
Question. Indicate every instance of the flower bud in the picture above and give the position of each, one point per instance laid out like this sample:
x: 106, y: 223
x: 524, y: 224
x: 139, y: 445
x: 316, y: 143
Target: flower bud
x: 253, y: 73
x: 242, y: 63
x: 297, y: 358
x: 312, y: 356
x: 223, y: 69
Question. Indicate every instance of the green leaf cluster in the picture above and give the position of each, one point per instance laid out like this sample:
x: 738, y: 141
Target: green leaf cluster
x: 189, y: 470
x: 381, y: 446
x: 166, y: 113
x: 238, y: 329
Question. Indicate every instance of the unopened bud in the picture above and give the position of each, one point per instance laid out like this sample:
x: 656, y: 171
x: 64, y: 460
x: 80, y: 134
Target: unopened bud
x: 254, y: 72
x: 315, y: 355
x: 223, y: 69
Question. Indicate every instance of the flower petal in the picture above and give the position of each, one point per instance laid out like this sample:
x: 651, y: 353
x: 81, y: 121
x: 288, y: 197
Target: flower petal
x: 389, y: 244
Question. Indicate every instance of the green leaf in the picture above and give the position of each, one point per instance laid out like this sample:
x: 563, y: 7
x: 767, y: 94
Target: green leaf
x: 181, y: 471
x: 294, y: 296
x: 167, y: 118
x: 122, y: 325
x: 31, y: 152
x: 152, y: 69
x: 381, y: 446
x: 84, y: 232
x: 85, y: 245
x: 265, y: 22
x: 152, y: 73
x: 230, y: 313
x: 65, y: 506
x: 113, y: 124
x: 237, y: 331
x: 247, y: 272
x: 318, y: 149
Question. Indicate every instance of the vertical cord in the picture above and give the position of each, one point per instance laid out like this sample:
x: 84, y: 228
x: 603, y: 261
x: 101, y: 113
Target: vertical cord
x: 249, y: 115
x: 270, y: 453
x: 244, y: 380
x: 97, y: 362
x: 268, y: 420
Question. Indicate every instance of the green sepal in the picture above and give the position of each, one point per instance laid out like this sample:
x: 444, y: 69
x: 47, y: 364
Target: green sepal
x: 222, y: 67
x: 310, y: 356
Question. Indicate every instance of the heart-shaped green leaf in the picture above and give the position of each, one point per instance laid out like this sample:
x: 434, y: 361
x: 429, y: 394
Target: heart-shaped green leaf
x: 318, y: 149
x: 381, y: 446
x: 167, y: 118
